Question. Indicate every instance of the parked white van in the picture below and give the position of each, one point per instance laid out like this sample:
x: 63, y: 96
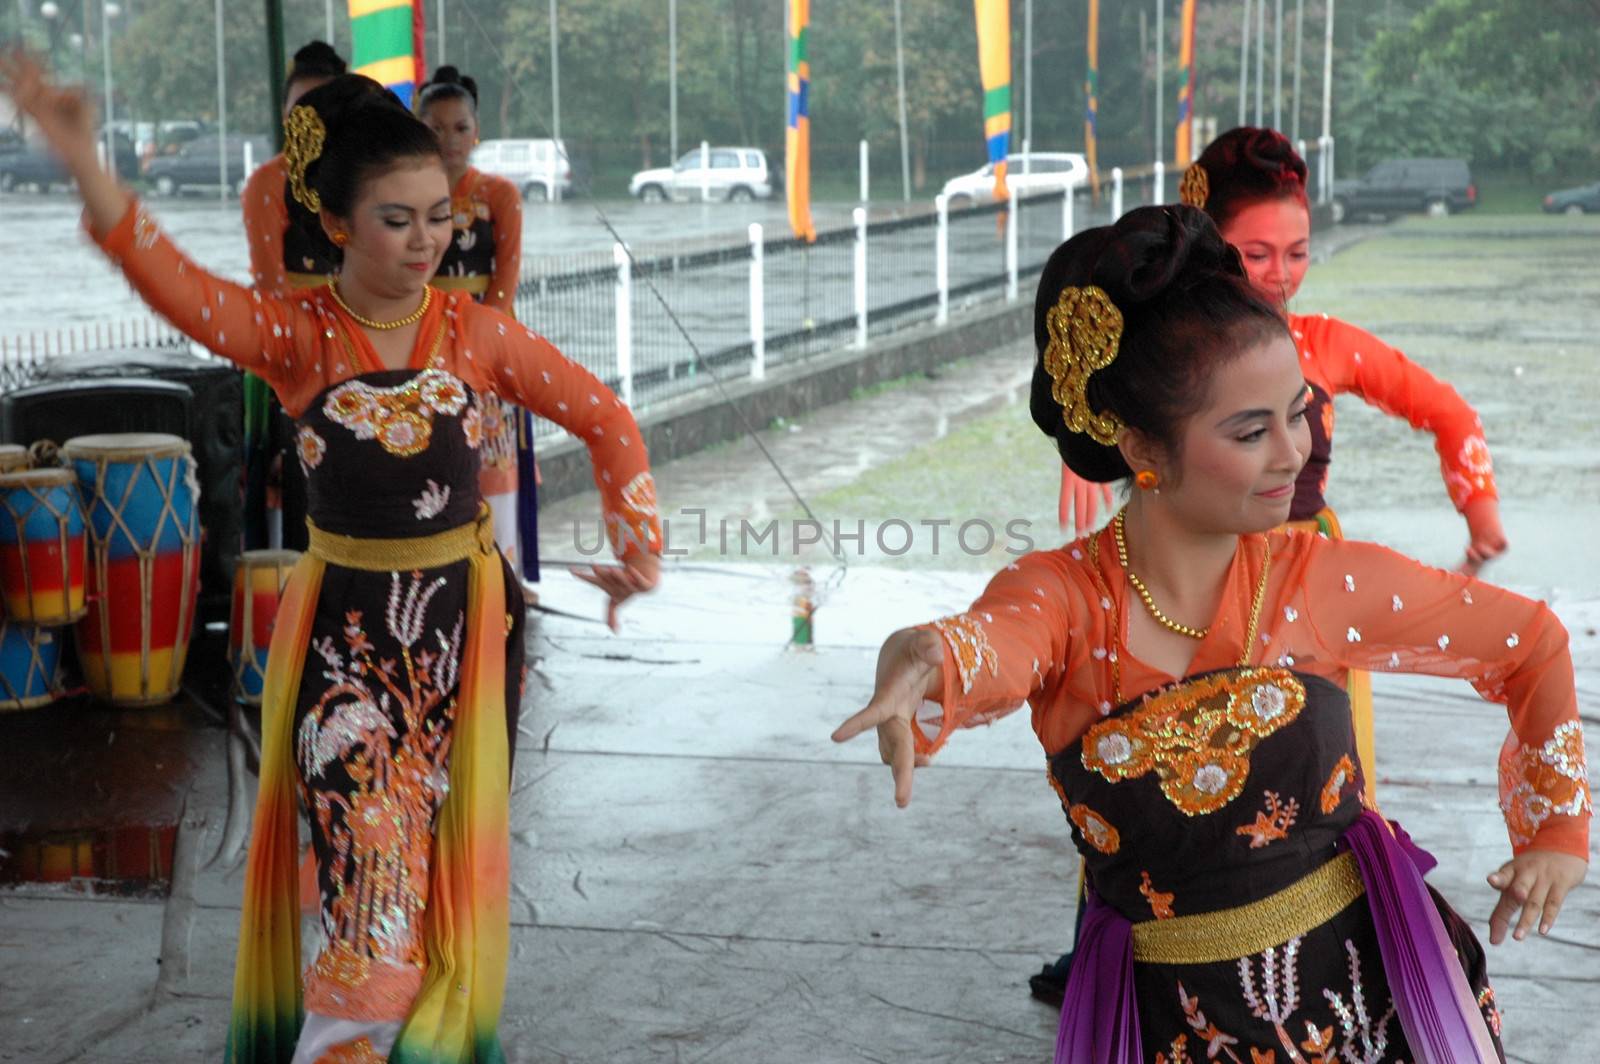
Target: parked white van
x: 1045, y: 172
x: 735, y: 174
x: 534, y: 166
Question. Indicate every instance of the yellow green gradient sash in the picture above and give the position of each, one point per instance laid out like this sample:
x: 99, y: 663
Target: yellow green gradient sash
x: 456, y: 1015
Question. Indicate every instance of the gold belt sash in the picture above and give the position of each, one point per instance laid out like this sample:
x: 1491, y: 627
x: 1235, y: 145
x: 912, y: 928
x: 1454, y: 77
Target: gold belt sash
x: 299, y: 281
x: 1228, y: 934
x: 413, y: 552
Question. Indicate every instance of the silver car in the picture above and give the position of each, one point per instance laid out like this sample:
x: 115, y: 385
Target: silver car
x: 734, y: 174
x: 537, y: 167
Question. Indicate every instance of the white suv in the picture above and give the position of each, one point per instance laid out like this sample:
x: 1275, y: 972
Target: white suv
x: 1046, y: 172
x: 735, y: 174
x: 534, y: 166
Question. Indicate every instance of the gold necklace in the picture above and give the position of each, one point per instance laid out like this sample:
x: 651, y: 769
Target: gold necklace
x: 1144, y: 592
x: 399, y: 323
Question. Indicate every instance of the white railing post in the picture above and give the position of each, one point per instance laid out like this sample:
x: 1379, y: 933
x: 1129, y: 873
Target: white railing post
x: 1300, y: 146
x: 941, y: 257
x: 619, y: 254
x: 705, y: 171
x: 1013, y: 223
x: 1067, y: 205
x: 865, y: 183
x: 249, y: 160
x: 1330, y: 167
x: 1116, y: 193
x: 758, y: 307
x: 1160, y: 184
x: 860, y: 216
x: 1322, y: 169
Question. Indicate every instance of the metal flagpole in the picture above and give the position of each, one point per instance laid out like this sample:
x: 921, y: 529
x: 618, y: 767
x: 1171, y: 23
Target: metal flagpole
x: 275, y: 67
x: 1027, y: 82
x: 672, y: 79
x: 1161, y: 80
x: 222, y: 113
x: 439, y: 32
x: 555, y: 103
x: 900, y: 76
x: 1299, y: 42
x: 1244, y: 61
x: 1261, y: 57
x: 1277, y: 60
x: 327, y: 17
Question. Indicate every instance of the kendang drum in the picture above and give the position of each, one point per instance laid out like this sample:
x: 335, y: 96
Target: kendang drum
x: 142, y: 502
x: 43, y: 552
x: 30, y: 660
x: 258, y: 582
x: 13, y: 457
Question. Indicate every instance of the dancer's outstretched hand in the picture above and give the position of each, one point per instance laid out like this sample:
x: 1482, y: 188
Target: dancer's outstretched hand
x: 1486, y: 537
x: 1537, y: 882
x: 910, y: 670
x: 640, y: 573
x: 1080, y: 502
x: 65, y: 116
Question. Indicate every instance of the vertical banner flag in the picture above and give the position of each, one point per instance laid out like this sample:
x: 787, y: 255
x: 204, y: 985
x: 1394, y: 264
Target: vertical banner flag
x: 1091, y: 92
x: 386, y: 43
x: 797, y: 135
x: 994, y: 66
x: 1185, y: 138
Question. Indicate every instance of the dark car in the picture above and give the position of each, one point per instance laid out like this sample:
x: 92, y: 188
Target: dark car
x: 27, y: 164
x: 1436, y: 187
x: 1574, y: 200
x: 197, y: 163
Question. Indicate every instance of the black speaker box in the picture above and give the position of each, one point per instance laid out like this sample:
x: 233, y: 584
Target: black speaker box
x: 152, y: 390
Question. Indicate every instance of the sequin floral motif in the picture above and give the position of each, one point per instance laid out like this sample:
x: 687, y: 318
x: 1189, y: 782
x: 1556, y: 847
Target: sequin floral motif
x: 634, y: 525
x: 1471, y: 472
x: 310, y: 447
x: 1273, y: 824
x: 1160, y: 900
x: 381, y: 724
x: 399, y: 418
x: 1338, y: 782
x: 969, y: 643
x: 1197, y: 737
x: 1096, y: 829
x: 1537, y: 783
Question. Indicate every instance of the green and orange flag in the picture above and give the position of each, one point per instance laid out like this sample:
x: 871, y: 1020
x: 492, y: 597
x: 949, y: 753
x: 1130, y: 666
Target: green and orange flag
x: 386, y: 44
x: 994, y: 67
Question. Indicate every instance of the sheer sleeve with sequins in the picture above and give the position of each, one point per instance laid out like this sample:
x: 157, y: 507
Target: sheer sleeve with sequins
x: 1011, y: 645
x: 1363, y: 606
x: 1350, y: 359
x: 523, y: 367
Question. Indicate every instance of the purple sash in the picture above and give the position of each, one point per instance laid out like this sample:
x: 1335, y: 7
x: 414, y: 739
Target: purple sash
x: 1441, y: 1021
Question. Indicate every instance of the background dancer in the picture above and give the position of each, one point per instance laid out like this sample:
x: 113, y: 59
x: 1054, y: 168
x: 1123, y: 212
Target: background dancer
x: 484, y: 260
x: 1185, y: 667
x: 394, y: 673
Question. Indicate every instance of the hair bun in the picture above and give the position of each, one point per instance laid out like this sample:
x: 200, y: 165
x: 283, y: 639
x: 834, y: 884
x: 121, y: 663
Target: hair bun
x: 1248, y: 164
x: 1149, y: 251
x: 447, y: 81
x: 445, y: 75
x: 317, y: 58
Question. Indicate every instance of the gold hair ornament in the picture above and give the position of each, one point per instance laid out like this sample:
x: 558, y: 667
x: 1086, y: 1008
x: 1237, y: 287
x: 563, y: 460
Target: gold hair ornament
x: 1085, y: 328
x: 303, y: 136
x: 1195, y: 187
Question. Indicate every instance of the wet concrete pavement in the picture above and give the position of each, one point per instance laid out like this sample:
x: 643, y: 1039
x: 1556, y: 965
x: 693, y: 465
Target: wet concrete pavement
x: 699, y: 875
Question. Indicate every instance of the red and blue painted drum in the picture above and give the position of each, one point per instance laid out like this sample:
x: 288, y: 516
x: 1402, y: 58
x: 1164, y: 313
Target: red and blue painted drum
x: 142, y: 501
x: 257, y: 588
x: 43, y: 552
x: 30, y: 660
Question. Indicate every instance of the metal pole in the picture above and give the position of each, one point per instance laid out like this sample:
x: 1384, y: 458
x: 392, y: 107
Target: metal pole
x: 1299, y: 43
x: 1027, y: 76
x: 1012, y: 225
x: 672, y: 78
x: 758, y: 307
x: 1261, y: 58
x: 1327, y: 76
x: 275, y: 67
x: 439, y: 32
x: 1244, y: 61
x: 1161, y: 82
x: 1066, y: 210
x: 860, y: 217
x: 222, y: 113
x: 105, y: 54
x: 941, y: 258
x: 900, y: 77
x: 1159, y: 182
x: 555, y: 101
x: 327, y: 18
x: 1277, y: 60
x: 866, y: 184
x: 1116, y: 193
